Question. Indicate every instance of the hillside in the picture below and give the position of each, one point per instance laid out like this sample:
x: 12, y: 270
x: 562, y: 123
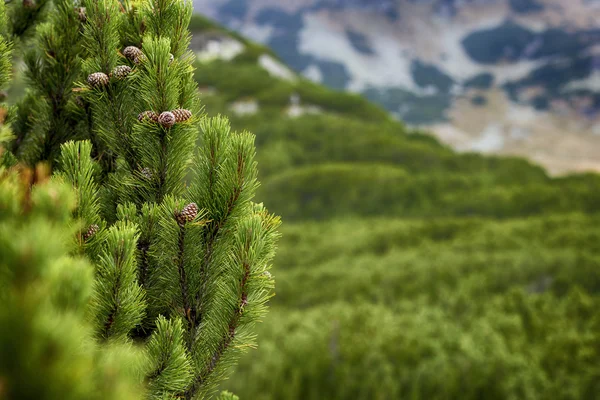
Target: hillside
x: 517, y: 77
x: 406, y: 270
x: 310, y: 137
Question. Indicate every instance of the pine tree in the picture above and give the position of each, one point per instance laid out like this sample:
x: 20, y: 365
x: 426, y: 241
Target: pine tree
x: 164, y: 211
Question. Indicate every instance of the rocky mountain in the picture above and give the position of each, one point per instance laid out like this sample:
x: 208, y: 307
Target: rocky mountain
x: 495, y: 76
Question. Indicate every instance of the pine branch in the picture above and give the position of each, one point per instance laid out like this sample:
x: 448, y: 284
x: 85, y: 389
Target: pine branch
x: 170, y: 368
x: 52, y: 67
x: 118, y: 301
x: 183, y: 283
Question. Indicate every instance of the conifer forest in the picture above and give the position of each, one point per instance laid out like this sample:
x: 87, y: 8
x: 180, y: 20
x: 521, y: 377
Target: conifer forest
x: 160, y: 241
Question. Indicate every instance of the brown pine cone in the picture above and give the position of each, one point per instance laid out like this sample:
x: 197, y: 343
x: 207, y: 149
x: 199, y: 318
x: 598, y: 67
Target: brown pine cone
x: 91, y: 231
x: 121, y: 71
x: 188, y: 214
x: 81, y: 15
x: 151, y: 115
x: 140, y: 58
x: 181, y: 114
x: 132, y: 53
x: 97, y: 79
x: 147, y: 173
x: 166, y: 119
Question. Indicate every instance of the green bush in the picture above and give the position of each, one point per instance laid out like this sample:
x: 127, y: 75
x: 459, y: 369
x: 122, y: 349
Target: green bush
x: 437, y: 309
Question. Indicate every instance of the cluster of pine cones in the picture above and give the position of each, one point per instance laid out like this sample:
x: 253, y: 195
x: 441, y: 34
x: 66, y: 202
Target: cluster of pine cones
x: 166, y: 118
x: 100, y: 79
x: 133, y: 54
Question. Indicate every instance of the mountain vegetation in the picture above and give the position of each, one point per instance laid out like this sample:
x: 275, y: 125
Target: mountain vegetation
x: 405, y: 269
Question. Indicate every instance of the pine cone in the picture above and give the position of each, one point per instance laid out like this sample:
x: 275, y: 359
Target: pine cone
x: 121, y: 71
x: 181, y: 114
x: 98, y: 79
x: 92, y: 230
x: 28, y: 4
x: 132, y: 53
x: 140, y: 58
x: 147, y: 173
x: 166, y: 119
x: 188, y: 214
x: 81, y: 15
x: 151, y: 115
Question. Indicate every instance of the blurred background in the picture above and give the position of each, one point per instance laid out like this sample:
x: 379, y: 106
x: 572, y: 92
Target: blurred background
x: 435, y: 164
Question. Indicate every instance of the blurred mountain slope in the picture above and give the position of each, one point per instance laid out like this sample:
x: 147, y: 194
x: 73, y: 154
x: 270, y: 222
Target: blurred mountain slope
x: 326, y: 154
x: 405, y: 270
x: 495, y: 76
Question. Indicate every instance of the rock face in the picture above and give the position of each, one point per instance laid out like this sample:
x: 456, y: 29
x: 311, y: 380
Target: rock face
x: 503, y: 76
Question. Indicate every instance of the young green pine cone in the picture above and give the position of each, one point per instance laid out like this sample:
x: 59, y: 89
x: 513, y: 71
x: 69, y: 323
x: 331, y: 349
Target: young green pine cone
x: 181, y: 114
x: 121, y: 71
x: 151, y: 115
x: 91, y: 231
x: 97, y: 79
x: 166, y: 119
x: 188, y: 214
x: 132, y: 53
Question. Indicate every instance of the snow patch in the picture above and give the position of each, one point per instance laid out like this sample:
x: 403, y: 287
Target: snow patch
x: 491, y: 139
x: 275, y: 68
x: 395, y: 50
x: 521, y: 115
x: 258, y: 33
x: 592, y: 83
x: 244, y: 107
x: 313, y: 73
x: 386, y: 67
x: 217, y: 48
x: 296, y: 110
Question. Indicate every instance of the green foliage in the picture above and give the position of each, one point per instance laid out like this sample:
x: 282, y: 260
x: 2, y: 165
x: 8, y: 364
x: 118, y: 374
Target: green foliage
x: 23, y: 18
x: 447, y: 304
x: 46, y: 344
x: 53, y: 64
x: 225, y: 395
x: 178, y: 250
x: 170, y: 365
x: 410, y: 309
x: 118, y: 303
